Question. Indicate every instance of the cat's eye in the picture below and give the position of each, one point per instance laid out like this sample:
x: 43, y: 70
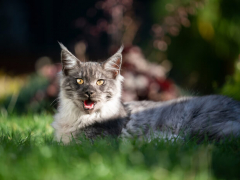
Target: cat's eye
x: 100, y: 82
x: 80, y: 81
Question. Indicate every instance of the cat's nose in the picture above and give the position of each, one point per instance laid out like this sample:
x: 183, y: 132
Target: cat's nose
x: 89, y: 93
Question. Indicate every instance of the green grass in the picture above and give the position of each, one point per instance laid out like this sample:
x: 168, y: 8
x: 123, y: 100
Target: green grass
x: 28, y: 151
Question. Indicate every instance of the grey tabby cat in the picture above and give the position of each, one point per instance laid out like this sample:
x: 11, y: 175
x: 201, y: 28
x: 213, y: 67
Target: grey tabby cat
x: 90, y: 104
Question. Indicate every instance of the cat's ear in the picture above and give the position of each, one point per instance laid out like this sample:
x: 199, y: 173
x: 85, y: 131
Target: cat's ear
x: 69, y: 61
x: 114, y: 63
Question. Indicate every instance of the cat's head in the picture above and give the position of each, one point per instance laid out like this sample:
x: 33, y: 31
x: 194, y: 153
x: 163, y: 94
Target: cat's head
x: 91, y: 85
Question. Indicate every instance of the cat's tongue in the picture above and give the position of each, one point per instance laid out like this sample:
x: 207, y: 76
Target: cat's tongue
x: 88, y: 104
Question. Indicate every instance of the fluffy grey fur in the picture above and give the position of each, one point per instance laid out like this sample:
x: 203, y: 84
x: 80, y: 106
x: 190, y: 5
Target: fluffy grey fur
x: 213, y: 116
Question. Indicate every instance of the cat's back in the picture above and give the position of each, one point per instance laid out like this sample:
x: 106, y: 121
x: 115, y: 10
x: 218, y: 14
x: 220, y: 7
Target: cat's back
x: 214, y: 113
x: 201, y: 104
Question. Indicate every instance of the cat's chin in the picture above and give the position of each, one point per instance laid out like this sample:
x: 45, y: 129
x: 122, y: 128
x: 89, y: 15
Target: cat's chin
x: 88, y: 111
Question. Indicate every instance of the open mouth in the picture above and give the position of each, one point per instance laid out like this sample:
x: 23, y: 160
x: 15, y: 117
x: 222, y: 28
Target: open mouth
x: 88, y: 104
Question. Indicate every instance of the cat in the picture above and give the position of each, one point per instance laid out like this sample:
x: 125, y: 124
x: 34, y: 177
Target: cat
x: 90, y: 104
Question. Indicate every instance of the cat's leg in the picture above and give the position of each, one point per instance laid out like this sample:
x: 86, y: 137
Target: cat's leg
x: 63, y: 132
x: 163, y: 135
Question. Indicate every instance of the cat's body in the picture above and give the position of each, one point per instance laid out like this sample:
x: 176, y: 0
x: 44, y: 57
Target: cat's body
x: 90, y: 104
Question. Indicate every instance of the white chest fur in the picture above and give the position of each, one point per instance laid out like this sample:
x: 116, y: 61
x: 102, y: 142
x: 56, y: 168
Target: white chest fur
x: 70, y: 120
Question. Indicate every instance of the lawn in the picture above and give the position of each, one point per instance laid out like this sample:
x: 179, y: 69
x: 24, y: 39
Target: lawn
x: 28, y: 151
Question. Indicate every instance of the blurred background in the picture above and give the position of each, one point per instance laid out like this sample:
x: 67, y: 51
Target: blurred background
x: 172, y: 47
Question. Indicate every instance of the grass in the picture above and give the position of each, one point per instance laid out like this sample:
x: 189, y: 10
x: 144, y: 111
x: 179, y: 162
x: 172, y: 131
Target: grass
x: 28, y: 151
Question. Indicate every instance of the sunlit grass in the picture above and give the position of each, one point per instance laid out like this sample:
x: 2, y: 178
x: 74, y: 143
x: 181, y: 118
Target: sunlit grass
x: 28, y: 151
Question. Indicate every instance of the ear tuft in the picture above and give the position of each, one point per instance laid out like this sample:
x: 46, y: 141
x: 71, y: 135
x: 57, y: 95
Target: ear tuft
x: 69, y: 61
x: 114, y: 63
x: 62, y: 46
x: 120, y: 49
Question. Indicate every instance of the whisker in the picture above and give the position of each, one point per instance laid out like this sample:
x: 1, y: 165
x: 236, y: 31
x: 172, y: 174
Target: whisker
x: 54, y: 101
x: 54, y: 104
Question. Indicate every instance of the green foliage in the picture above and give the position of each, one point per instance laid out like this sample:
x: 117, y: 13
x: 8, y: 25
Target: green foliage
x: 203, y: 54
x: 27, y: 151
x: 30, y: 98
x: 232, y: 85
